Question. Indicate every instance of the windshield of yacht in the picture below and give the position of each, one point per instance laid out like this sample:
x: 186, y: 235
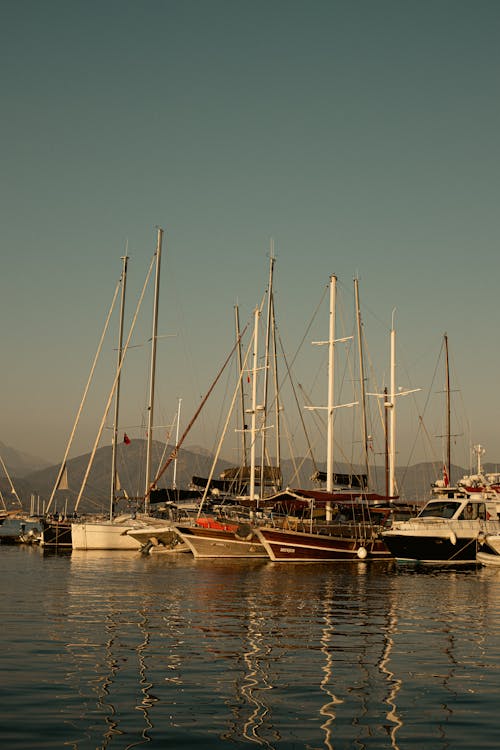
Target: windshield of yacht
x: 440, y: 509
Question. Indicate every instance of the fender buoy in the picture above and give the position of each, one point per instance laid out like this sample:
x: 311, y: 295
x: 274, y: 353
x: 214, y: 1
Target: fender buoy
x: 362, y: 553
x: 244, y: 532
x: 453, y: 538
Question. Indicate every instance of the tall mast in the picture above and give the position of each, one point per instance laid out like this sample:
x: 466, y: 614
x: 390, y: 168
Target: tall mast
x: 277, y: 398
x: 362, y: 381
x: 330, y: 408
x: 266, y: 367
x: 391, y: 404
x: 153, y: 366
x: 331, y: 374
x: 241, y: 386
x: 254, y: 403
x: 448, y: 409
x: 117, y: 394
x: 386, y: 442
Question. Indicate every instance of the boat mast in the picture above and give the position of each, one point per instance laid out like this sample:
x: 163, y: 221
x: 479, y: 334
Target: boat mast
x: 154, y: 337
x: 241, y: 387
x: 391, y: 405
x: 448, y: 409
x: 254, y: 403
x: 266, y: 368
x: 331, y: 374
x: 330, y: 408
x: 386, y: 443
x: 362, y: 381
x: 117, y: 394
x: 277, y: 399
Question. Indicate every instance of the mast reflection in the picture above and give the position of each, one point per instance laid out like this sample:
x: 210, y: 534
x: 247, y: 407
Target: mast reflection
x: 328, y: 709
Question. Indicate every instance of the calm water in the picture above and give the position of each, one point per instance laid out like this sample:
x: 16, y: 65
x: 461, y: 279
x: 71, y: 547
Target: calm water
x: 112, y: 650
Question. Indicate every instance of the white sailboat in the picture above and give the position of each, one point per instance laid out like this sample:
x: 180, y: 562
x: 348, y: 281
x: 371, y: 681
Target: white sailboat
x: 56, y: 531
x: 111, y: 534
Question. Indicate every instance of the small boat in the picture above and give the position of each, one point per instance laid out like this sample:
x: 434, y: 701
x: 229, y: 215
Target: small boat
x: 20, y: 530
x: 447, y: 531
x: 489, y: 550
x: 156, y: 538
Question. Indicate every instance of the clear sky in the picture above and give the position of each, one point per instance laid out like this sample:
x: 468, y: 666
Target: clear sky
x: 361, y: 136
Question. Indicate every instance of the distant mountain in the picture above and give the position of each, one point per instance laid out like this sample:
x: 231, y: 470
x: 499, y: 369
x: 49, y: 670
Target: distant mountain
x: 131, y: 463
x: 20, y: 464
x: 414, y: 481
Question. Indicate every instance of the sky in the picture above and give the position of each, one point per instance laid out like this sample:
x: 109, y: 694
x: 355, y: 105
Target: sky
x: 360, y: 138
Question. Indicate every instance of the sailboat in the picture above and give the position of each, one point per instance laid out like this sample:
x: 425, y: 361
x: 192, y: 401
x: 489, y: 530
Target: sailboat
x: 111, y: 534
x: 233, y: 533
x: 16, y: 526
x: 352, y: 515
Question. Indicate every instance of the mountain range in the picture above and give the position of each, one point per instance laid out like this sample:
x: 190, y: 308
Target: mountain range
x: 34, y: 479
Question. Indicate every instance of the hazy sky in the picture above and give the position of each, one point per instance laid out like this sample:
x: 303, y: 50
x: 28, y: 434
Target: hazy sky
x: 361, y: 136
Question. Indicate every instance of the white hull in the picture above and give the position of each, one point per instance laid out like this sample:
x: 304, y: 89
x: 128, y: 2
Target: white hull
x: 158, y: 539
x: 493, y: 541
x: 489, y: 550
x: 487, y: 558
x: 111, y: 535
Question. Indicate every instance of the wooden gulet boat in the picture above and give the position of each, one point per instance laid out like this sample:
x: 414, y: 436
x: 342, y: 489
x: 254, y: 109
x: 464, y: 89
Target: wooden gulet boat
x: 345, y: 536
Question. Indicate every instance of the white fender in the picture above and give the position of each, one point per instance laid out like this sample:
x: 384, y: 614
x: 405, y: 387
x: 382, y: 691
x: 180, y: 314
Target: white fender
x: 453, y: 538
x: 362, y: 553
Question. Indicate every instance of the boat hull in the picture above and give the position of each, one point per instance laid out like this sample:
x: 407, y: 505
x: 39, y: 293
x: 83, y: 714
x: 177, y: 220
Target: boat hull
x: 432, y: 549
x: 217, y: 543
x: 158, y: 539
x: 488, y: 558
x: 20, y: 531
x: 100, y: 536
x: 297, y: 546
x: 489, y: 550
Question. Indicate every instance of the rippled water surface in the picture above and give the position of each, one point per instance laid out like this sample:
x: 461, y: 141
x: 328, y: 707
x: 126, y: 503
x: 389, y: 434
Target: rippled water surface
x: 117, y: 650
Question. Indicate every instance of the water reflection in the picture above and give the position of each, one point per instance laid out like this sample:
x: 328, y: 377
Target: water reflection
x: 133, y: 651
x: 328, y: 709
x: 394, y: 684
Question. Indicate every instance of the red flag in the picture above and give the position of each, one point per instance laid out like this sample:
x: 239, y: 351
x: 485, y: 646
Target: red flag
x: 446, y: 478
x: 126, y: 439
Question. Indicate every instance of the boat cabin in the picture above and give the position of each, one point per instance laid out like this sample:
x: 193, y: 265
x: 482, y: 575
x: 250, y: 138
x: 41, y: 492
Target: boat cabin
x: 462, y: 508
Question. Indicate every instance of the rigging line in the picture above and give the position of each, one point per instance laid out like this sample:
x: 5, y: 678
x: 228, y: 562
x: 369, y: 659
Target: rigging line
x: 301, y: 417
x: 196, y: 414
x: 113, y: 387
x: 421, y: 425
x: 12, y: 488
x: 306, y: 332
x: 91, y: 375
x: 221, y: 439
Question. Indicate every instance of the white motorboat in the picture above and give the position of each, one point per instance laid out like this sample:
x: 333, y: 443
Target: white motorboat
x: 447, y: 530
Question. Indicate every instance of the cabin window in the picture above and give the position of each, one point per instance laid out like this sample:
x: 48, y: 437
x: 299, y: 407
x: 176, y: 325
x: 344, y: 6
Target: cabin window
x: 469, y: 513
x: 439, y: 510
x: 473, y: 511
